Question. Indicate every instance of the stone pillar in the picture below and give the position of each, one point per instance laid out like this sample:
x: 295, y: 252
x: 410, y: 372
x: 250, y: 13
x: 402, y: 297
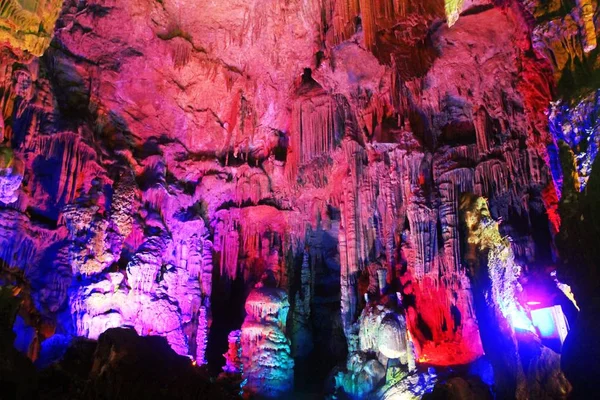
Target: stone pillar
x: 266, y: 354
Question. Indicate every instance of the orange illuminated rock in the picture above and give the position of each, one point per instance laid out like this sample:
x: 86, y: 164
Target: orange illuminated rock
x: 28, y: 24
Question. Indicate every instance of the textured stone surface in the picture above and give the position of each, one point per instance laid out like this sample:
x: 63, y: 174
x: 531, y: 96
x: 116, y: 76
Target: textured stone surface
x: 175, y: 155
x: 28, y: 25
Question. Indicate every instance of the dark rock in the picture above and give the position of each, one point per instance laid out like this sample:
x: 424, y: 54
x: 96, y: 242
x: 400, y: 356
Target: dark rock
x: 581, y: 353
x: 128, y: 366
x: 460, y: 389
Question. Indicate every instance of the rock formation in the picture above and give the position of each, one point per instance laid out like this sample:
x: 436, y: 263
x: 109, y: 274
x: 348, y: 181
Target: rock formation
x: 10, y: 178
x: 28, y: 25
x: 507, y: 332
x: 159, y: 160
x: 266, y: 356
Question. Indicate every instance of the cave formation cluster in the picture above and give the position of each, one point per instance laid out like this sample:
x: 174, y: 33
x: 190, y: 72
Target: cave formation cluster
x: 348, y: 198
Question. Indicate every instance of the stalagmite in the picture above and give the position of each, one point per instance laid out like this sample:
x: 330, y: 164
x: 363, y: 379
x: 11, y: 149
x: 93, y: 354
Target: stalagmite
x: 302, y: 341
x: 202, y: 336
x: 233, y: 363
x: 267, y: 363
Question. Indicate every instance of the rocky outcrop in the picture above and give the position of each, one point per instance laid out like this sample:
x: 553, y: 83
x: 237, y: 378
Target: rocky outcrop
x: 122, y: 355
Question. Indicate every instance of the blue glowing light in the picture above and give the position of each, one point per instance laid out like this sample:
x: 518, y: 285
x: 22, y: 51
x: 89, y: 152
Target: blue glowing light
x: 544, y: 322
x: 518, y: 319
x: 550, y: 323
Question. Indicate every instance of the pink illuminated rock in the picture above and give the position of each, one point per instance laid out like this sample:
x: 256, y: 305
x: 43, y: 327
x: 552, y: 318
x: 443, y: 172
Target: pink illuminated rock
x: 175, y: 154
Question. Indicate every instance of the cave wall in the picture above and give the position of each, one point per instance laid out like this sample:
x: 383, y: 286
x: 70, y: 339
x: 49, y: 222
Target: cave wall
x: 167, y: 157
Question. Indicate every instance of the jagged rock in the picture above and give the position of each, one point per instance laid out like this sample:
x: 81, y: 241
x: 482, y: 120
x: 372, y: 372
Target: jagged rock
x: 459, y: 388
x: 411, y: 387
x: 366, y: 376
x: 383, y: 341
x: 545, y: 378
x: 126, y: 365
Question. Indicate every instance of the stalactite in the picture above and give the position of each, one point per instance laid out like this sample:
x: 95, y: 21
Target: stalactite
x: 491, y: 178
x: 374, y: 14
x: 379, y: 207
x: 251, y: 184
x: 181, y: 53
x: 313, y: 130
x: 347, y: 289
x: 78, y: 161
x: 257, y: 234
x: 229, y: 257
x: 368, y: 22
x: 480, y: 121
x: 388, y: 201
x: 450, y: 185
x: 586, y: 10
x: 206, y: 273
x: 423, y: 231
x: 344, y: 15
x: 351, y: 239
